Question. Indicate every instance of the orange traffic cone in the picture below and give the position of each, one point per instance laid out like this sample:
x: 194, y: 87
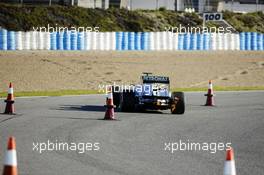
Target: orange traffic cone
x: 10, y: 164
x: 10, y: 100
x: 229, y: 167
x: 109, y: 113
x: 210, y: 95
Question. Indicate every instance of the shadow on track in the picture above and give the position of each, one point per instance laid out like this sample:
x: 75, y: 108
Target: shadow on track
x: 74, y: 118
x: 94, y: 108
x: 97, y: 108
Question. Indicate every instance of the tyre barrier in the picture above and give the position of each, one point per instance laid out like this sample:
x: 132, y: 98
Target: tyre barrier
x: 151, y: 38
x: 237, y: 41
x: 144, y: 41
x: 175, y: 41
x: 242, y: 37
x: 206, y: 41
x: 170, y: 40
x: 33, y: 41
x: 125, y: 41
x: 46, y: 40
x: 213, y: 41
x: 231, y: 38
x: 248, y: 41
x: 26, y: 41
x: 253, y: 43
x: 98, y: 37
x: 193, y: 44
x: 73, y: 40
x: 263, y: 42
x: 164, y: 40
x: 226, y: 44
x: 186, y: 41
x: 40, y: 36
x: 121, y: 41
x: 219, y: 41
x: 131, y: 41
x: 94, y: 40
x: 87, y: 41
x: 108, y: 41
x: 260, y: 42
x: 19, y: 41
x: 67, y: 41
x: 180, y: 41
x: 80, y: 41
x: 3, y: 39
x: 112, y: 41
x: 119, y: 38
x: 59, y: 37
x: 157, y: 41
x: 53, y: 43
x: 11, y: 40
x: 99, y: 41
x: 138, y: 41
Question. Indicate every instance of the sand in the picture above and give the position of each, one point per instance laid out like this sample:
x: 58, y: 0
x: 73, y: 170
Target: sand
x: 59, y: 70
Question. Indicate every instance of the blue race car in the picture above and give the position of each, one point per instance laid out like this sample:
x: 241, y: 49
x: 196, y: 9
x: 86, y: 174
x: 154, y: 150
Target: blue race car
x: 152, y: 94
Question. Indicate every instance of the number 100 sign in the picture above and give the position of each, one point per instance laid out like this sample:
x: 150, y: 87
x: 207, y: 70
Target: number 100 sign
x: 212, y: 16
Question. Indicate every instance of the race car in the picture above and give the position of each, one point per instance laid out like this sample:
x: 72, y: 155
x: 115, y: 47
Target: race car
x: 152, y: 94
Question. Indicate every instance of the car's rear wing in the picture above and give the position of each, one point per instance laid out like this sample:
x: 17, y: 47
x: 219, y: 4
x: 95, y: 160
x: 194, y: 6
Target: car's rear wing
x: 155, y: 79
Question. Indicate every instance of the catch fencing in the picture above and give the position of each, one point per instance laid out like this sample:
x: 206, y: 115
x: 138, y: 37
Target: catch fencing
x: 120, y: 41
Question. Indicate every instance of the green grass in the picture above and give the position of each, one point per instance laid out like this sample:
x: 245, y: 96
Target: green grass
x: 86, y: 92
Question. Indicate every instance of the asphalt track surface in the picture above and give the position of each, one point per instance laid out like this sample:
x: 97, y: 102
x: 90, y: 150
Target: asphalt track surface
x: 134, y: 145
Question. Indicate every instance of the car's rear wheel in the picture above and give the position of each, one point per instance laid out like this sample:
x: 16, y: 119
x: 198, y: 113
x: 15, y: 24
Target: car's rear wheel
x: 178, y: 103
x: 127, y: 101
